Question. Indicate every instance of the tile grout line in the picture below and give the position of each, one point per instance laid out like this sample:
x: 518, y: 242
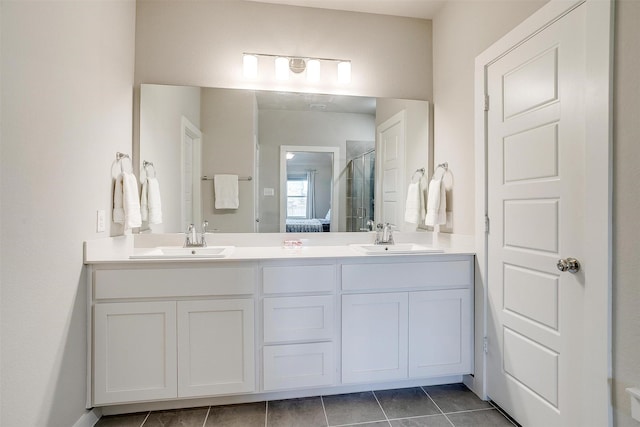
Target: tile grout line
x: 434, y: 402
x: 326, y: 417
x: 206, y: 417
x: 381, y: 408
x: 145, y: 418
x: 359, y: 424
x: 504, y: 414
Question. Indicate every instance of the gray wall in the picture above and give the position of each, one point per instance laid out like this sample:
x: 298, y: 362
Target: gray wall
x: 200, y: 43
x: 626, y: 268
x: 67, y: 82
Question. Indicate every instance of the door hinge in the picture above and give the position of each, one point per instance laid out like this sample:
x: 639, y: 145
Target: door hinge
x: 486, y: 102
x: 486, y: 224
x: 485, y: 345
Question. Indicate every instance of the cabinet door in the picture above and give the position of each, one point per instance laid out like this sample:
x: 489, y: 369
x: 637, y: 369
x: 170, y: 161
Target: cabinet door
x: 134, y: 352
x: 374, y: 337
x: 439, y: 333
x: 215, y: 347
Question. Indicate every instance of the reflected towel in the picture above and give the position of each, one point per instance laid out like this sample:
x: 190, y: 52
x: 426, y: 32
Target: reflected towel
x: 150, y: 205
x: 226, y: 191
x: 412, y: 206
x: 126, y: 202
x: 436, y: 203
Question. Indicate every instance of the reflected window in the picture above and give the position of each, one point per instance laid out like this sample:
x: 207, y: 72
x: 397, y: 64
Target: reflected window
x: 297, y: 196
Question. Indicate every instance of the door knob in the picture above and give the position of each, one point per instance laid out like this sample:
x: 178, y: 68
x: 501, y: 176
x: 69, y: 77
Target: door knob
x: 571, y: 265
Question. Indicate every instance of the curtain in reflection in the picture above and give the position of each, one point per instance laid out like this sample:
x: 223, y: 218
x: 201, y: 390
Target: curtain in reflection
x: 311, y: 194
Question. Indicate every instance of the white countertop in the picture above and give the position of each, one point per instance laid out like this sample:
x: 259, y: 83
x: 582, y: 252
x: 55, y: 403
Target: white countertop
x: 248, y: 246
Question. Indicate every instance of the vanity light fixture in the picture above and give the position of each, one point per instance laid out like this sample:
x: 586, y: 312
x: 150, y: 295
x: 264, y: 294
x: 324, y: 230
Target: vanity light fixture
x: 284, y: 65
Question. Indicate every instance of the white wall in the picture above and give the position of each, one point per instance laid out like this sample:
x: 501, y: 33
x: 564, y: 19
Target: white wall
x: 161, y: 112
x: 277, y: 127
x: 228, y: 147
x: 454, y: 52
x: 67, y: 79
x: 200, y: 43
x: 626, y: 268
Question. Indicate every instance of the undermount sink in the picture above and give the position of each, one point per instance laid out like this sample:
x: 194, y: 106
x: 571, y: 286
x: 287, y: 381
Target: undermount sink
x: 180, y: 252
x: 397, y: 249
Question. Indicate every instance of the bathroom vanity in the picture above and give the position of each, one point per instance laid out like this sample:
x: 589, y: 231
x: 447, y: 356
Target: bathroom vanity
x: 272, y: 322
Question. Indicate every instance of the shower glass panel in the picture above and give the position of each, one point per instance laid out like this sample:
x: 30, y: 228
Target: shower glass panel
x: 360, y: 191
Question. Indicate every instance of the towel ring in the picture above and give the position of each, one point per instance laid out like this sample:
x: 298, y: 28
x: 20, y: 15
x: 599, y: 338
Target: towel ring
x: 119, y: 157
x: 445, y: 168
x: 146, y: 165
x: 420, y: 171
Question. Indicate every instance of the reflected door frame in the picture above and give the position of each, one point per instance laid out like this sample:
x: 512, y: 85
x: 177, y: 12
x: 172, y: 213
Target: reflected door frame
x: 190, y: 132
x: 335, y: 179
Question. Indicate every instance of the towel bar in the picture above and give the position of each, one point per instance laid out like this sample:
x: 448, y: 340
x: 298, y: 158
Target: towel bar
x: 240, y: 178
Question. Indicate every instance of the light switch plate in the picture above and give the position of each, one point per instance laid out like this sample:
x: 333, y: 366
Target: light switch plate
x: 100, y: 221
x: 269, y: 192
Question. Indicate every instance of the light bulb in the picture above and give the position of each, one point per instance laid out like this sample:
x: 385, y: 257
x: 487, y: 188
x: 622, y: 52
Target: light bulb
x: 313, y: 70
x: 282, y: 68
x: 344, y: 72
x: 250, y: 66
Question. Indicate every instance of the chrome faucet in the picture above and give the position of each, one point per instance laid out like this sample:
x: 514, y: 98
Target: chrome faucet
x: 191, y: 236
x: 384, y: 234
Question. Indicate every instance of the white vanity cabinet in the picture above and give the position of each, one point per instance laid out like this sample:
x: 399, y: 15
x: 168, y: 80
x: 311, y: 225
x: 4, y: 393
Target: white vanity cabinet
x: 172, y: 332
x: 298, y: 325
x: 406, y: 319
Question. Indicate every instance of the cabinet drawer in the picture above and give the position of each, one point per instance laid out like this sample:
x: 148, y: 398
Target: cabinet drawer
x: 298, y: 365
x: 302, y: 278
x: 446, y: 274
x: 298, y: 318
x: 173, y: 282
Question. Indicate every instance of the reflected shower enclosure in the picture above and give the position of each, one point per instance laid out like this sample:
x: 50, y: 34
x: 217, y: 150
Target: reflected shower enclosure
x: 361, y: 191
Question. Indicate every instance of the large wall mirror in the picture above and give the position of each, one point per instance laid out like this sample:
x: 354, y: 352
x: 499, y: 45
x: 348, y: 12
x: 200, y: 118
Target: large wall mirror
x: 305, y: 162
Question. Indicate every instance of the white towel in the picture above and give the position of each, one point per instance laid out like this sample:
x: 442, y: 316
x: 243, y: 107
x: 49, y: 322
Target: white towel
x: 126, y: 202
x: 415, y: 207
x: 226, y: 191
x: 150, y: 205
x: 436, y: 203
x: 412, y: 206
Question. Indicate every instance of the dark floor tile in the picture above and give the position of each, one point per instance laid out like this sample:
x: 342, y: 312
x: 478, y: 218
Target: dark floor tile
x: 455, y: 397
x: 352, y: 408
x: 484, y: 418
x: 243, y: 415
x: 126, y: 420
x: 429, y: 421
x: 306, y: 412
x: 192, y: 417
x: 406, y: 402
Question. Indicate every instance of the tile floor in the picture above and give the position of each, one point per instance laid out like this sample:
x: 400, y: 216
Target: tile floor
x: 434, y: 406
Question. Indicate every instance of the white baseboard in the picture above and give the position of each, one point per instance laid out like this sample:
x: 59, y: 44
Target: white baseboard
x: 89, y: 419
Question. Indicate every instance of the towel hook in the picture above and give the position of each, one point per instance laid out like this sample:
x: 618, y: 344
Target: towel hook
x: 420, y: 171
x: 146, y: 165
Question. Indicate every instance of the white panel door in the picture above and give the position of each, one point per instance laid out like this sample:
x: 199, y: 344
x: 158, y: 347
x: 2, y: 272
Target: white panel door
x: 134, y: 352
x: 536, y: 156
x: 374, y: 337
x: 390, y: 179
x: 439, y: 333
x: 215, y: 347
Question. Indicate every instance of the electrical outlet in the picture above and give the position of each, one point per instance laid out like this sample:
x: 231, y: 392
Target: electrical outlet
x: 100, y: 221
